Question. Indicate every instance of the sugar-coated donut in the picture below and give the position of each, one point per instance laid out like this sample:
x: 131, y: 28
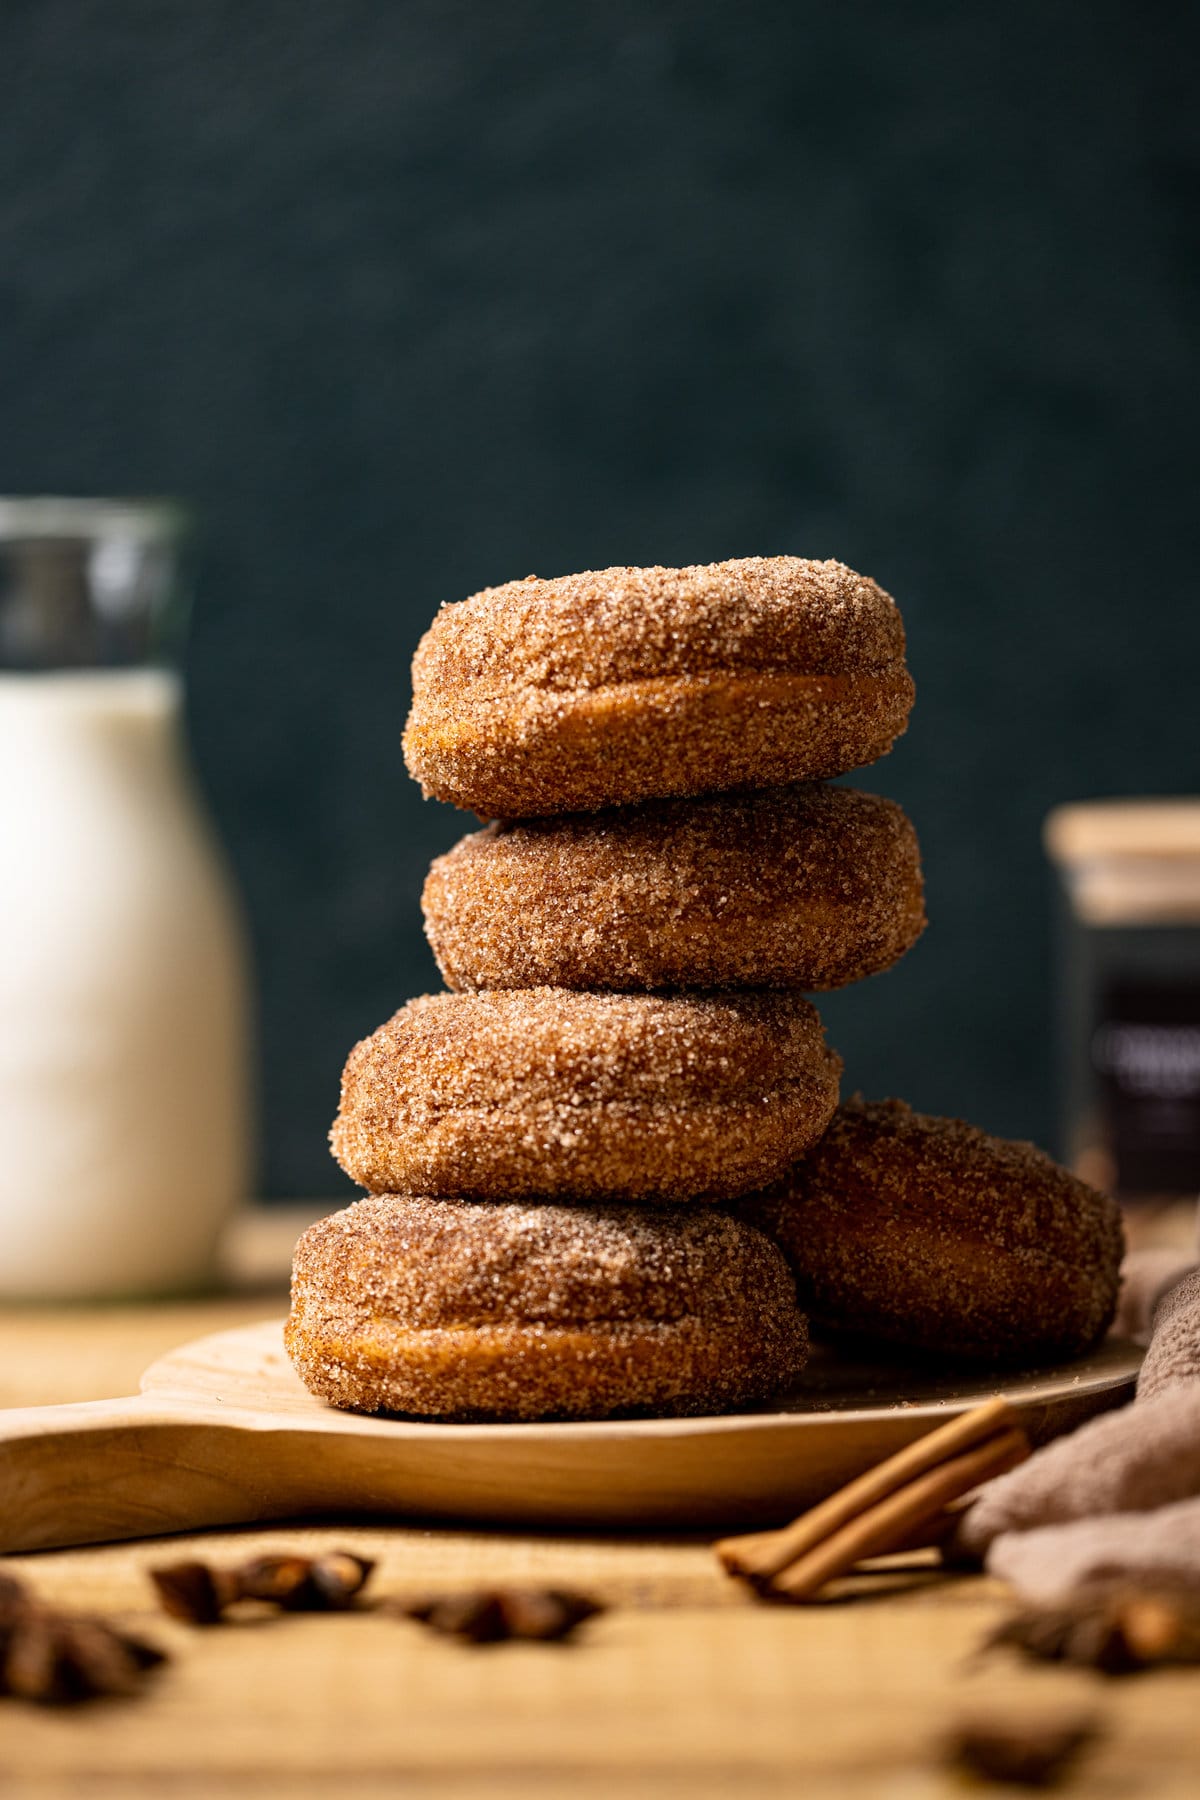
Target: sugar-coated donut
x: 470, y: 1309
x: 928, y: 1233
x: 807, y: 887
x: 624, y: 684
x: 545, y: 1094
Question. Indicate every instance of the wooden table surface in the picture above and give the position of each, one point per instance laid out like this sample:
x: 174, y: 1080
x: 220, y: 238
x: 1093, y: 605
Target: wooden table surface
x: 685, y: 1686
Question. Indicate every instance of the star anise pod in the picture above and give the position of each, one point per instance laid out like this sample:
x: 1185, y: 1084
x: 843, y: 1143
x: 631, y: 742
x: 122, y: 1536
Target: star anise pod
x: 490, y: 1615
x: 194, y: 1591
x: 1032, y: 1753
x: 1116, y: 1631
x: 303, y: 1583
x: 59, y: 1658
x: 14, y: 1598
x: 200, y: 1593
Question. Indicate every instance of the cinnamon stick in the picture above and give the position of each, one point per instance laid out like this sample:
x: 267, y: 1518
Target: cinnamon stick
x: 893, y: 1520
x: 761, y: 1555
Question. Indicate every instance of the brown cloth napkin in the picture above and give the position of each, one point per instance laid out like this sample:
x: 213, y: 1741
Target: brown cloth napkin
x: 1160, y: 1548
x: 1119, y: 1499
x: 1174, y: 1353
x: 1146, y: 1279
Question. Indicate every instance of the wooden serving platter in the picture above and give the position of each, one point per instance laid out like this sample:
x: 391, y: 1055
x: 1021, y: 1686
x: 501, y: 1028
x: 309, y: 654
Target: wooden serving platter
x: 223, y: 1433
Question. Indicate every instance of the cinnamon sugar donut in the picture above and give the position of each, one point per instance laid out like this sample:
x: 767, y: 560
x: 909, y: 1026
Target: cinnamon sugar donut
x: 542, y: 1093
x: 808, y: 887
x: 929, y: 1233
x: 458, y: 1309
x: 624, y: 684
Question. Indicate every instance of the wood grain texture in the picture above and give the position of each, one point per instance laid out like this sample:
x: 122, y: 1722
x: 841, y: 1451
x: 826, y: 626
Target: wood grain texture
x: 687, y: 1689
x: 686, y: 1686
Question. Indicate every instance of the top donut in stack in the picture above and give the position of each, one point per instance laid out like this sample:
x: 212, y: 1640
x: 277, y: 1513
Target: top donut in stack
x: 628, y: 942
x: 622, y: 685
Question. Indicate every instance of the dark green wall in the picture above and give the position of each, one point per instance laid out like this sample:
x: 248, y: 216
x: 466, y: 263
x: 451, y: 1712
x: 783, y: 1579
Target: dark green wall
x: 412, y: 298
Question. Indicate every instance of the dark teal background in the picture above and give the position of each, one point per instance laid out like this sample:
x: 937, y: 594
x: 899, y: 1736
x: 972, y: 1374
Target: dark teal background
x: 406, y: 299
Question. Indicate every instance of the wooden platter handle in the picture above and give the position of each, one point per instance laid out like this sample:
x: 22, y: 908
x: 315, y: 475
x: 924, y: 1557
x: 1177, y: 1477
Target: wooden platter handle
x: 107, y: 1469
x: 224, y: 1435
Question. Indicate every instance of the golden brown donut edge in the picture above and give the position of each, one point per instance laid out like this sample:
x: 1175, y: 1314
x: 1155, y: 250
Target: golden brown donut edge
x: 657, y: 738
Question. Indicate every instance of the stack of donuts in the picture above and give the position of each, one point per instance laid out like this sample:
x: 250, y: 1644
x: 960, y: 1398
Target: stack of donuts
x: 607, y: 1172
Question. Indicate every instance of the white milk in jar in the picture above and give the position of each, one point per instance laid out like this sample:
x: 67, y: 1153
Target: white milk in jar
x: 123, y: 1053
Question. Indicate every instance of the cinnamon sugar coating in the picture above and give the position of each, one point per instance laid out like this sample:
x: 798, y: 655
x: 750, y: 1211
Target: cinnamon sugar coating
x: 623, y: 684
x: 805, y: 887
x: 545, y: 1093
x: 929, y: 1233
x: 459, y: 1309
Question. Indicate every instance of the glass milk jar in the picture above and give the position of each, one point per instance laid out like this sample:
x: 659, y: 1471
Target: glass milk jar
x: 123, y: 1040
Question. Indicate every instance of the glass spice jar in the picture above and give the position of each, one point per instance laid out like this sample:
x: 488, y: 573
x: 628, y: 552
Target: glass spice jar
x: 1129, y: 993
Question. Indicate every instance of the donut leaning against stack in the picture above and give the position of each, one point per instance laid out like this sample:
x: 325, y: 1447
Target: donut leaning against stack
x: 543, y: 1148
x: 930, y: 1234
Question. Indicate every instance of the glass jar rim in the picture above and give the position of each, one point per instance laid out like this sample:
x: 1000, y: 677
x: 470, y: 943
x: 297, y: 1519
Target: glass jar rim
x: 31, y: 517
